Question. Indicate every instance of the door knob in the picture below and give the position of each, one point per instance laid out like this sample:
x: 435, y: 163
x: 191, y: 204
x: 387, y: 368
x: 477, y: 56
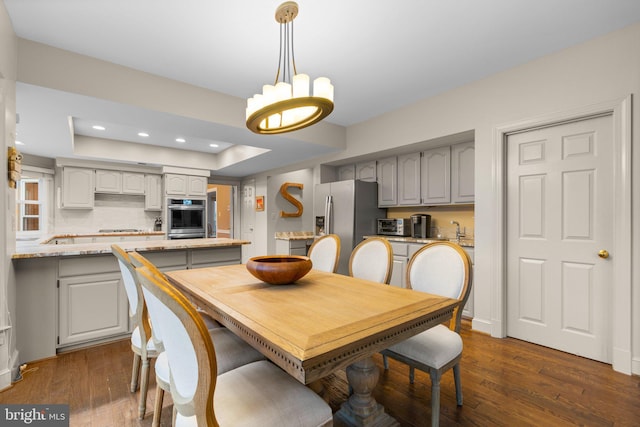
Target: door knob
x: 603, y: 253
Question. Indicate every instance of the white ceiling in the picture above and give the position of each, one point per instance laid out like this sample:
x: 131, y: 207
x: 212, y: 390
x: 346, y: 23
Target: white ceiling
x: 379, y: 55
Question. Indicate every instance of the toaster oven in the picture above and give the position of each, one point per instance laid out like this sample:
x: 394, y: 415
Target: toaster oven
x: 394, y: 226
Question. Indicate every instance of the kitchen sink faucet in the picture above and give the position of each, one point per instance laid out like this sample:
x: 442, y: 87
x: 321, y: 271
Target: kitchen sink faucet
x: 458, y: 234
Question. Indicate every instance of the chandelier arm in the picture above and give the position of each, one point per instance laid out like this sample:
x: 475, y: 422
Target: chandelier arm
x: 293, y: 58
x: 279, y: 57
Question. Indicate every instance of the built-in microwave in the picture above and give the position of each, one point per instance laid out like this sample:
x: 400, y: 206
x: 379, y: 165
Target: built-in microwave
x: 394, y: 226
x: 186, y: 218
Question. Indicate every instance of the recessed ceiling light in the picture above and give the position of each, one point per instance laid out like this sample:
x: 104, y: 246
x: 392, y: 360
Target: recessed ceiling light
x: 98, y: 127
x: 214, y: 145
x: 19, y: 142
x: 181, y: 140
x: 143, y: 134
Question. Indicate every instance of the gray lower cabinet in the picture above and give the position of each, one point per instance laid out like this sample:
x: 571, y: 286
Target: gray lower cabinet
x: 293, y: 246
x: 400, y: 259
x: 66, y: 302
x: 91, y: 307
x: 92, y: 302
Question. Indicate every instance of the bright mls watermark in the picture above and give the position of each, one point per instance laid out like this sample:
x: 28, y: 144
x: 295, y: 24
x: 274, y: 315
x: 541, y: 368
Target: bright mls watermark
x: 34, y: 415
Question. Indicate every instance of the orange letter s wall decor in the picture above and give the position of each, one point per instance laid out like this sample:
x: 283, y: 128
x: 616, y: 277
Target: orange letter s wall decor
x: 295, y: 202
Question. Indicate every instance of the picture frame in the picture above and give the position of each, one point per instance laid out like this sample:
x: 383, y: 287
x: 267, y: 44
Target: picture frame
x: 259, y: 203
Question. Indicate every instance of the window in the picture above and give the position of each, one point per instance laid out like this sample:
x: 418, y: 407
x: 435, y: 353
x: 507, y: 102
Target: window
x: 28, y: 206
x: 31, y: 206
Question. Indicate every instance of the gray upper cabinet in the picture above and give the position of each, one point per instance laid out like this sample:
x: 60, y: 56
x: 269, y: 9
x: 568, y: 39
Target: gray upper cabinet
x: 133, y: 183
x: 409, y: 179
x: 78, y: 185
x: 153, y: 193
x: 463, y: 172
x: 366, y: 171
x: 435, y: 179
x: 118, y: 182
x: 185, y: 185
x: 387, y: 173
x: 346, y: 172
x: 108, y: 181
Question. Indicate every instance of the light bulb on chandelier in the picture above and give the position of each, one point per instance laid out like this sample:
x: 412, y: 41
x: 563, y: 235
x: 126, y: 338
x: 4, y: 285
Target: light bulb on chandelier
x: 287, y: 105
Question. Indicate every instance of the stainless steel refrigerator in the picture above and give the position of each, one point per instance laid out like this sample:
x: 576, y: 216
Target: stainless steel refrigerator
x: 350, y: 210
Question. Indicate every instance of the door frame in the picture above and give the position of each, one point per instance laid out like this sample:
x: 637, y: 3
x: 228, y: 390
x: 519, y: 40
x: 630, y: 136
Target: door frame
x: 621, y: 300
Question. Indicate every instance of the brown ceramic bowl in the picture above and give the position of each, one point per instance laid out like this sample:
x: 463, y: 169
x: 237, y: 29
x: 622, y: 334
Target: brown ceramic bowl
x: 279, y: 269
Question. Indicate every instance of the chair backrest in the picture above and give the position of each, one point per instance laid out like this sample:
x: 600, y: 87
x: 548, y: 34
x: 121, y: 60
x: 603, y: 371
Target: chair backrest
x: 190, y: 352
x: 137, y: 307
x: 325, y: 253
x: 442, y: 268
x: 372, y: 260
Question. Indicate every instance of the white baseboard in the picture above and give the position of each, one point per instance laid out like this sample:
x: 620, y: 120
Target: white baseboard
x: 481, y: 325
x: 5, y: 379
x: 14, y: 364
x: 635, y: 366
x: 621, y: 361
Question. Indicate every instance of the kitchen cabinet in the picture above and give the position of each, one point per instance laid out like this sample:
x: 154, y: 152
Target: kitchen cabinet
x: 409, y: 179
x: 435, y: 185
x: 117, y: 182
x: 463, y: 172
x: 92, y: 301
x: 346, y: 172
x: 366, y: 171
x: 387, y: 174
x: 153, y: 192
x: 185, y: 185
x: 78, y: 185
x: 108, y: 181
x: 467, y: 311
x: 133, y: 183
x: 293, y: 246
x: 400, y: 258
x: 72, y: 301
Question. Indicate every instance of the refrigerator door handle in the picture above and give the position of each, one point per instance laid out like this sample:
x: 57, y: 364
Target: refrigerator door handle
x: 329, y: 215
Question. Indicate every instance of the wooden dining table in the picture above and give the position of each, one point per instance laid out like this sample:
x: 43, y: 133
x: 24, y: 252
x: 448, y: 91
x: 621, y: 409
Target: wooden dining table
x: 322, y: 323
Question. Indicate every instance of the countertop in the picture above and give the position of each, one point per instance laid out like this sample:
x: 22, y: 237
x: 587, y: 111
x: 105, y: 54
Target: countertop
x: 39, y: 251
x: 294, y: 235
x: 463, y: 242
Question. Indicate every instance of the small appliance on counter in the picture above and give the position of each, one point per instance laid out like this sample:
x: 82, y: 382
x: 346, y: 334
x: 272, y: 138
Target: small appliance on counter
x: 420, y: 226
x: 157, y: 225
x: 394, y: 226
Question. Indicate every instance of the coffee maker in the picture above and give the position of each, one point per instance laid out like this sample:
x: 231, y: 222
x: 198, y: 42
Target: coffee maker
x: 420, y: 226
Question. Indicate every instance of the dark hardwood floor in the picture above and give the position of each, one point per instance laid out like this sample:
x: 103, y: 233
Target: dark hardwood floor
x: 506, y: 382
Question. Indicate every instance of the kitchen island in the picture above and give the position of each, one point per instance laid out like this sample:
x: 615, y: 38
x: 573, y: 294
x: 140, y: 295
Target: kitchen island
x: 70, y: 295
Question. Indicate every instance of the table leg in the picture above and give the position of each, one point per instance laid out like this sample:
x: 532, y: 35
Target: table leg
x: 361, y: 409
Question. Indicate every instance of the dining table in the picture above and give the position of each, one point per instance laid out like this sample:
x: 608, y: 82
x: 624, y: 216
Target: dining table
x: 322, y: 323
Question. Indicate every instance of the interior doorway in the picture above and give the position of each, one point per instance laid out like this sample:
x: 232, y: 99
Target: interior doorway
x: 220, y: 211
x: 619, y: 289
x: 559, y: 233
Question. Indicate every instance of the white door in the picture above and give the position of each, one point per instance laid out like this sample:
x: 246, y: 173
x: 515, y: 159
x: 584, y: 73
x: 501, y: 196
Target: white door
x: 248, y: 222
x: 559, y: 216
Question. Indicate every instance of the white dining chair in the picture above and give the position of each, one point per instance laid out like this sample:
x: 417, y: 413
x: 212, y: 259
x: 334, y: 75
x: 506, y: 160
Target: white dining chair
x: 440, y: 268
x: 372, y: 259
x: 142, y: 343
x: 325, y: 253
x: 255, y: 394
x: 233, y: 352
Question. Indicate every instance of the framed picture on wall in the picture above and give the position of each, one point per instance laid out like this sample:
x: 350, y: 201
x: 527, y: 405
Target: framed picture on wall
x: 259, y: 203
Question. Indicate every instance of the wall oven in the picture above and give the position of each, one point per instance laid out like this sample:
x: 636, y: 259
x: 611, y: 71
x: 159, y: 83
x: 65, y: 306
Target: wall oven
x: 186, y: 219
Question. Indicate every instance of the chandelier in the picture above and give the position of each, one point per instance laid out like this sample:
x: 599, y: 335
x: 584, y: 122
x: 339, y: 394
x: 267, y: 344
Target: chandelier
x: 286, y: 105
